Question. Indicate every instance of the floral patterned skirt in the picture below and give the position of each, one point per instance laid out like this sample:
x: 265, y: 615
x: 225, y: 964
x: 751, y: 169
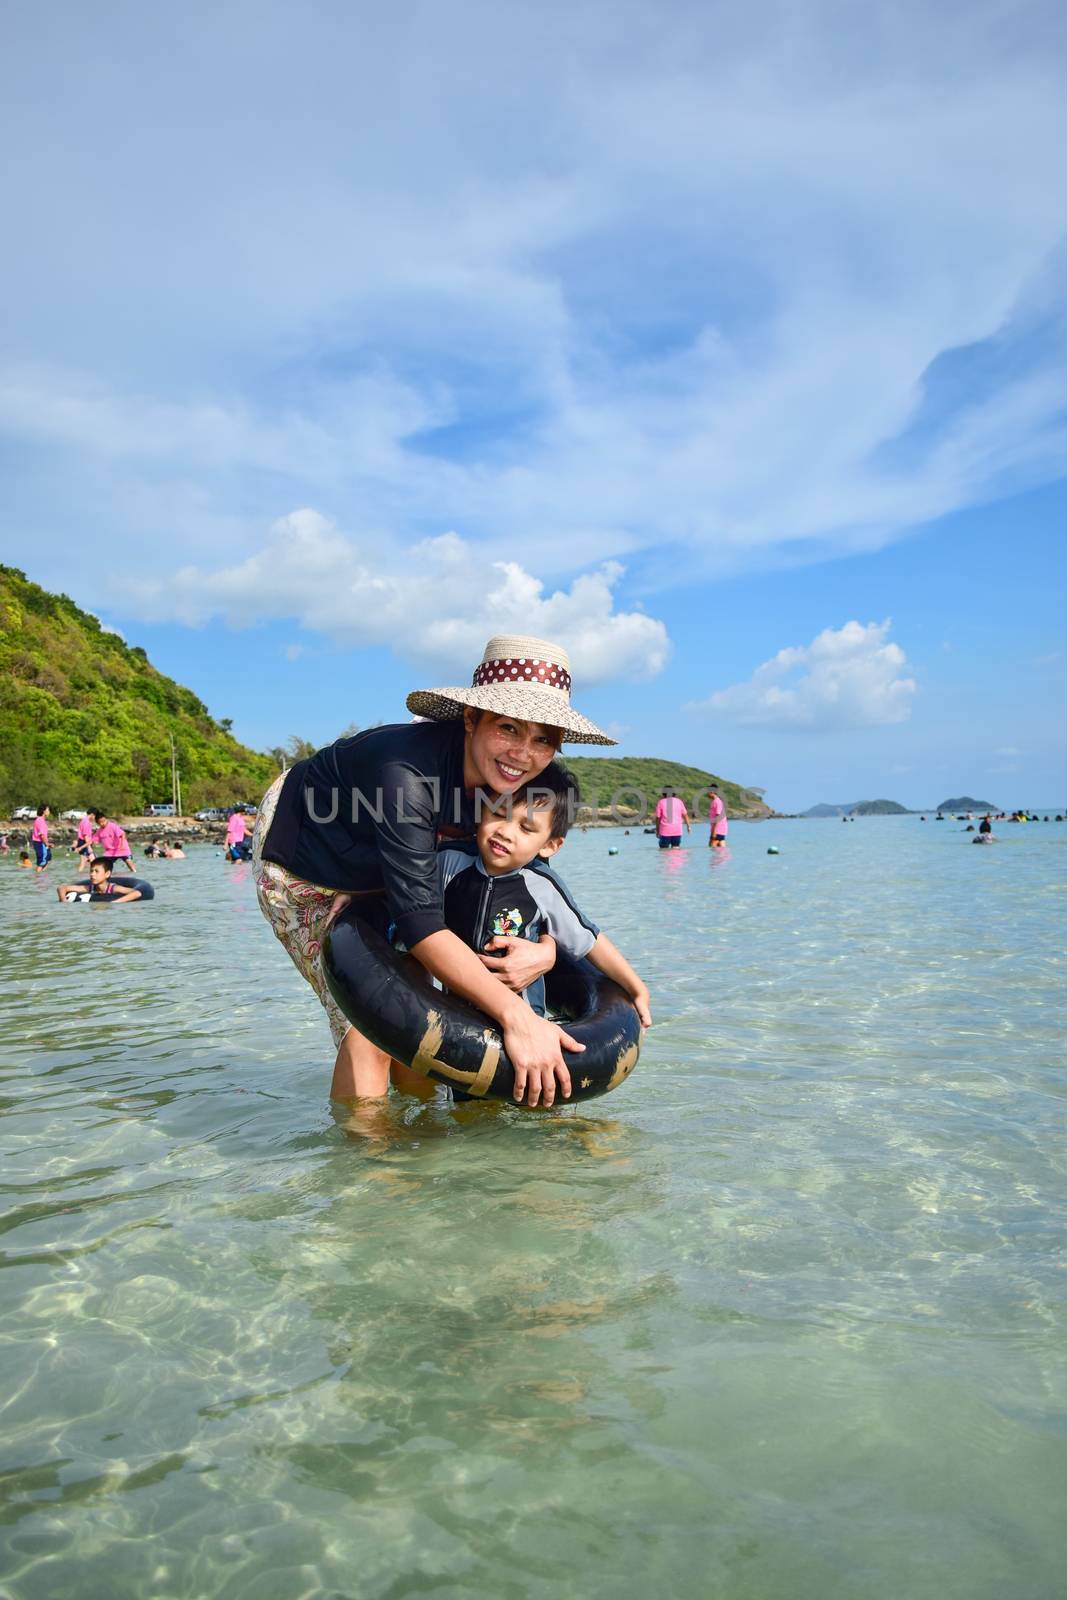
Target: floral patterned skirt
x: 297, y: 911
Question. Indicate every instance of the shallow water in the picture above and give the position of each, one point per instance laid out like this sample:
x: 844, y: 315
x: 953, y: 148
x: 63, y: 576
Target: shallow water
x: 782, y: 1318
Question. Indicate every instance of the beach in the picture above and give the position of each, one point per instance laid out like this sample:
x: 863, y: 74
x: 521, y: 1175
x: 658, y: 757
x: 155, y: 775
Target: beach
x: 780, y: 1318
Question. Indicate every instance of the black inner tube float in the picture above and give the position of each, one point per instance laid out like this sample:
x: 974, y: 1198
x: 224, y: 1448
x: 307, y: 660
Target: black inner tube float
x: 121, y: 881
x: 391, y: 999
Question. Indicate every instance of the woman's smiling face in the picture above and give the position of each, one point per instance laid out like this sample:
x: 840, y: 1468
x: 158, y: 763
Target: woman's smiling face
x: 503, y: 752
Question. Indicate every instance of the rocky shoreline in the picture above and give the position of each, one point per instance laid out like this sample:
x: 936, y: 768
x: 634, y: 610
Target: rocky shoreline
x: 139, y: 830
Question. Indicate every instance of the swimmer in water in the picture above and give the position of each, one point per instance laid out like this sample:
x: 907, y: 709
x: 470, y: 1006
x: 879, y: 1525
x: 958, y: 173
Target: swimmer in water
x: 101, y: 886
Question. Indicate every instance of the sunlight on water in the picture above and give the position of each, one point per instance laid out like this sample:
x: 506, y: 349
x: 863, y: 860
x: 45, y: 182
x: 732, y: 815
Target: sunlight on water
x: 782, y: 1318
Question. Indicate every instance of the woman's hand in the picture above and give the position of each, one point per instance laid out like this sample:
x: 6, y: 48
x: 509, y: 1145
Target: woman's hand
x: 519, y: 962
x: 533, y: 1046
x: 337, y: 905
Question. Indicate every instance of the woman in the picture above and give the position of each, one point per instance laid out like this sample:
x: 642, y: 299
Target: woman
x: 39, y: 838
x: 362, y: 818
x: 718, y: 819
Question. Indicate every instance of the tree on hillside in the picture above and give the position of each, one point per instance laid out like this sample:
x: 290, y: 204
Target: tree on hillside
x: 297, y: 749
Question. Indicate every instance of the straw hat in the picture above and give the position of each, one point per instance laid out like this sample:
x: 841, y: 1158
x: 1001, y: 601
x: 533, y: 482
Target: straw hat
x: 518, y: 677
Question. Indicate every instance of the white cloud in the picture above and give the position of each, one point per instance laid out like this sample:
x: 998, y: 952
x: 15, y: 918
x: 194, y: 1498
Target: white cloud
x: 436, y: 603
x: 846, y: 678
x: 707, y: 301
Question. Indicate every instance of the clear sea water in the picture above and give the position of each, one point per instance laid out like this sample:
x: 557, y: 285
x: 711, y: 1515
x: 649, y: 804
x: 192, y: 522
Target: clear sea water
x: 782, y: 1318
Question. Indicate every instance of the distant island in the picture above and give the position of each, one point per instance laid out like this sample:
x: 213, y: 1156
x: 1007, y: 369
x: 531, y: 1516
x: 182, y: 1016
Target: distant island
x: 859, y: 808
x: 891, y: 808
x: 965, y: 803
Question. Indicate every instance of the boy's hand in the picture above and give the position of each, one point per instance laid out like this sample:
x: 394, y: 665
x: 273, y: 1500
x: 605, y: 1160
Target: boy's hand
x: 640, y: 998
x: 519, y: 962
x: 533, y: 1046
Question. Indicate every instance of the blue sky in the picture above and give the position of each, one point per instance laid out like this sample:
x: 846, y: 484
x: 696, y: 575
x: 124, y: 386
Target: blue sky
x: 725, y: 345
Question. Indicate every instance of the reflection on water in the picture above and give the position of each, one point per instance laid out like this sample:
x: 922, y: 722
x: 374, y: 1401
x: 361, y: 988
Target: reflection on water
x: 782, y: 1317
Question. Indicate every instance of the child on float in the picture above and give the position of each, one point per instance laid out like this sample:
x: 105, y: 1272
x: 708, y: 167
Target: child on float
x: 501, y: 887
x: 101, y: 886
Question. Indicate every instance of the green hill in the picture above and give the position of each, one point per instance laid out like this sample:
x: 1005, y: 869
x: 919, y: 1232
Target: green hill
x: 85, y: 719
x: 859, y: 808
x: 602, y: 777
x: 963, y: 802
x: 880, y: 808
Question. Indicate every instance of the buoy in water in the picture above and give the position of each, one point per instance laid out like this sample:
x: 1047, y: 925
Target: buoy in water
x: 772, y: 850
x: 614, y: 850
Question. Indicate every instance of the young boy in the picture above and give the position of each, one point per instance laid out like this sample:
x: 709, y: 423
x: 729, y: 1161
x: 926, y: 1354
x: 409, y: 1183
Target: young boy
x: 114, y: 845
x: 82, y: 845
x: 501, y: 887
x: 100, y: 886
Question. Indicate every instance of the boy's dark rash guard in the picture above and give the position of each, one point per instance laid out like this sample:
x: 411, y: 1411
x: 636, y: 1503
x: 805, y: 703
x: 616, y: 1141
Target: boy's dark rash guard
x: 365, y: 812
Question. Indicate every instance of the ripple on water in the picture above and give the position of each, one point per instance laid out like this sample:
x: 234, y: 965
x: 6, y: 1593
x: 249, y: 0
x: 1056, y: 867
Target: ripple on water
x: 782, y: 1318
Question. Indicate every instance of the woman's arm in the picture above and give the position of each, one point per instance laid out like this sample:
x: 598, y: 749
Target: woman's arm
x: 533, y: 1044
x: 614, y: 965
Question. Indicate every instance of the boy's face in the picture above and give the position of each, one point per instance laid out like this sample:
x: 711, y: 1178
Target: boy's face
x: 507, y: 843
x: 98, y: 874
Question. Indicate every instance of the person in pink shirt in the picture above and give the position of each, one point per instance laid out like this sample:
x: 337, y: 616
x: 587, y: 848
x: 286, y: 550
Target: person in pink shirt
x: 236, y: 849
x: 83, y: 838
x: 670, y: 817
x: 718, y: 818
x: 39, y: 838
x: 114, y: 845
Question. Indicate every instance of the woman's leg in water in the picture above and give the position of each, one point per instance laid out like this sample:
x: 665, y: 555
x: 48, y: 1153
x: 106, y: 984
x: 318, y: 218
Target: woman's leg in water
x: 362, y: 1071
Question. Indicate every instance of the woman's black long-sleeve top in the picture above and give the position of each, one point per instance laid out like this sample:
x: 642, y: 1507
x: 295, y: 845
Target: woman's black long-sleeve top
x: 365, y: 813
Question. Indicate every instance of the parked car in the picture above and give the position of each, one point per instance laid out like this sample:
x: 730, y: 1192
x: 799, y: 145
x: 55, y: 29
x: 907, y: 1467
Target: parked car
x: 24, y: 814
x: 72, y: 816
x: 211, y: 814
x: 159, y: 811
